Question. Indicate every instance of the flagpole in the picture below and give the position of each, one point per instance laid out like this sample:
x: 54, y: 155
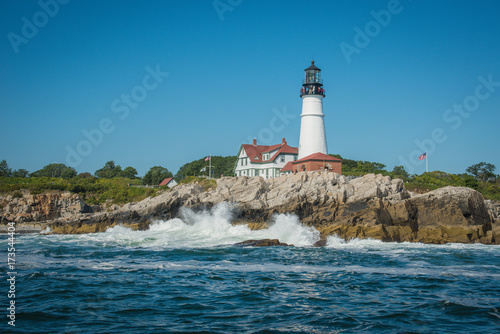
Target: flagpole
x: 426, y: 162
x: 210, y: 166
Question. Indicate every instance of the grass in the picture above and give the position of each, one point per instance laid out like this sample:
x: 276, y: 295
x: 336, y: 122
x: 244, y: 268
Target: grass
x: 207, y: 184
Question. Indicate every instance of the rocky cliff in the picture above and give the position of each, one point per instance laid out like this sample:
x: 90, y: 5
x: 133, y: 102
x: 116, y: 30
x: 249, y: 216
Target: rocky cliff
x: 372, y: 206
x: 32, y: 212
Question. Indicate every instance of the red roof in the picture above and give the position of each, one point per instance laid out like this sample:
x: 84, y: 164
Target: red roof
x: 288, y: 167
x: 318, y: 157
x: 166, y: 181
x: 254, y: 152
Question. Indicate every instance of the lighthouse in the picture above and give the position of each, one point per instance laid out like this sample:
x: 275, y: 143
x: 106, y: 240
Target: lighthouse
x: 311, y: 156
x: 312, y: 125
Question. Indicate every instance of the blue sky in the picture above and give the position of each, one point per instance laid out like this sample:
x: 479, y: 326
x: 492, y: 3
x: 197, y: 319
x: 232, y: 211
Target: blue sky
x: 167, y: 82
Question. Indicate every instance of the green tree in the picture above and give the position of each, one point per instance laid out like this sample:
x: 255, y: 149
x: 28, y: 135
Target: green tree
x: 220, y: 166
x: 109, y: 171
x: 4, y: 169
x: 400, y: 172
x: 20, y: 173
x: 68, y: 173
x: 370, y: 167
x: 349, y: 165
x: 84, y: 175
x: 359, y: 167
x: 155, y: 175
x: 55, y: 170
x: 470, y: 181
x: 482, y: 171
x: 129, y: 172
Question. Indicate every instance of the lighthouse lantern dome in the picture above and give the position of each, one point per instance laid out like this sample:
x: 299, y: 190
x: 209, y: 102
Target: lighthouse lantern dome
x: 312, y: 84
x: 313, y: 75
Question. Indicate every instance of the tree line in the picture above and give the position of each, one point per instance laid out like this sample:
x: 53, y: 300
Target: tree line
x: 154, y: 176
x: 480, y: 176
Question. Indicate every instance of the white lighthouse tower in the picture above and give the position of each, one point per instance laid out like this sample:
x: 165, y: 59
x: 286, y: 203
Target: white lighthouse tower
x: 312, y: 125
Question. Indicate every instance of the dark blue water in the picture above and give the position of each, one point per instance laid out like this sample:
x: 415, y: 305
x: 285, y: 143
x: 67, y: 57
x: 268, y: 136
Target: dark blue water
x: 171, y: 280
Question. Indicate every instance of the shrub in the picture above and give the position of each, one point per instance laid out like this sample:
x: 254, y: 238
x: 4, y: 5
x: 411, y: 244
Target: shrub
x: 17, y: 194
x: 207, y: 184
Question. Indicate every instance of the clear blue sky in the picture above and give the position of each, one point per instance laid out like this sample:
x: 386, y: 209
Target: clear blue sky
x: 232, y: 69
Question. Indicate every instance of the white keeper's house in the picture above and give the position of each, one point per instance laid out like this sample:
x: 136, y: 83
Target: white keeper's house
x: 265, y: 161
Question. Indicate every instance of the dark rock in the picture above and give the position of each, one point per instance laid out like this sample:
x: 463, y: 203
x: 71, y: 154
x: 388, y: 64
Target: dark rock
x: 261, y: 243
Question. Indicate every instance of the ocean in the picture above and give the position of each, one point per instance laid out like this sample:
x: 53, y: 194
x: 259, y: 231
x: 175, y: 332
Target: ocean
x: 186, y: 276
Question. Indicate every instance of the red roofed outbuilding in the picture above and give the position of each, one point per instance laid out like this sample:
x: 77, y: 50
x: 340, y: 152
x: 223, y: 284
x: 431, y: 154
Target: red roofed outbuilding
x: 169, y: 182
x: 317, y: 162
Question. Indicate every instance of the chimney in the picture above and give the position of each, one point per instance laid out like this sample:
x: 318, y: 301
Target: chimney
x: 283, y: 141
x: 255, y: 142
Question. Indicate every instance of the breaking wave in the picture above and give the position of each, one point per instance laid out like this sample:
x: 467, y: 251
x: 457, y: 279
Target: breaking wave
x: 207, y: 229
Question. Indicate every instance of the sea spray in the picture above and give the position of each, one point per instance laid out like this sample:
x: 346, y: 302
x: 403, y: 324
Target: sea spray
x: 288, y: 229
x: 208, y: 228
x: 333, y: 241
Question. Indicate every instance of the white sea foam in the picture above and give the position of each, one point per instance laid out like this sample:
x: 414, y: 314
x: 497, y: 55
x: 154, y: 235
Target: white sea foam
x: 208, y: 229
x: 401, y: 247
x: 471, y: 272
x: 334, y: 241
x: 47, y: 230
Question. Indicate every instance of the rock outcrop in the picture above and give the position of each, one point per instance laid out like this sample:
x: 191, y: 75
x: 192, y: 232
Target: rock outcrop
x: 32, y: 211
x: 372, y: 206
x: 261, y: 243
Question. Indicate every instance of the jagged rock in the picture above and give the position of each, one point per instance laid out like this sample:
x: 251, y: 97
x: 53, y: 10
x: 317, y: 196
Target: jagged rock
x: 493, y: 209
x: 372, y: 206
x: 43, y: 207
x: 261, y: 243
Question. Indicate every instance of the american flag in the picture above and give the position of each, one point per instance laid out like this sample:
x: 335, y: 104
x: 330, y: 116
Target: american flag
x: 423, y: 156
x: 207, y: 158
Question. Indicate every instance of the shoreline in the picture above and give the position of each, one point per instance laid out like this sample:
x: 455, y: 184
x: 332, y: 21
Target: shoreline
x: 370, y: 207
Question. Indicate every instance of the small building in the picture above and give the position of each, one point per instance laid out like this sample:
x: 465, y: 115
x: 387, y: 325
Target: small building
x: 169, y: 182
x: 314, y: 162
x: 264, y: 160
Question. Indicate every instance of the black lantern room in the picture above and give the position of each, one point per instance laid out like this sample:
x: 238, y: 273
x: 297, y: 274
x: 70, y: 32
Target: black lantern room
x: 312, y: 84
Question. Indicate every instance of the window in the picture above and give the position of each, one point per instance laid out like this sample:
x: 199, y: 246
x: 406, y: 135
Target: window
x: 294, y: 158
x: 282, y: 158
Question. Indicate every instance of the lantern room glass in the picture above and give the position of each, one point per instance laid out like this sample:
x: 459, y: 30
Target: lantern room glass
x: 313, y: 77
